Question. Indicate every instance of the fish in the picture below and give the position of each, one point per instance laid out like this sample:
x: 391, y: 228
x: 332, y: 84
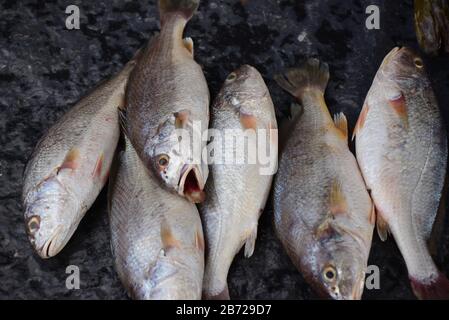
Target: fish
x: 70, y: 165
x: 168, y: 105
x: 401, y: 147
x: 156, y: 236
x: 323, y: 214
x: 432, y: 25
x: 238, y: 187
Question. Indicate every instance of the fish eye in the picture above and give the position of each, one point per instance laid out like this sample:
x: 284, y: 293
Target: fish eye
x: 231, y: 77
x: 163, y: 160
x: 33, y: 224
x: 418, y: 62
x: 329, y: 273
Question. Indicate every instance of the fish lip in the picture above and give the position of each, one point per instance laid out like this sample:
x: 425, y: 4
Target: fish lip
x: 185, y: 171
x: 47, y: 251
x: 390, y: 55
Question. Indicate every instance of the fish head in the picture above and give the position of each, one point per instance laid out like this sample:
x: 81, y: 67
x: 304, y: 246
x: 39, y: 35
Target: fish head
x: 50, y: 211
x: 403, y: 69
x: 338, y: 268
x: 174, y: 164
x: 243, y: 84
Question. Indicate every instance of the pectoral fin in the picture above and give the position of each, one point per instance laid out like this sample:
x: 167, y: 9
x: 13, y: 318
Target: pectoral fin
x: 169, y: 241
x: 71, y: 160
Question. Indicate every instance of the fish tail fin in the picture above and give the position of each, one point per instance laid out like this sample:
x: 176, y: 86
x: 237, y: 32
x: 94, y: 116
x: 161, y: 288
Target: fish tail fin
x: 185, y: 7
x: 223, y: 295
x: 435, y: 289
x: 313, y: 74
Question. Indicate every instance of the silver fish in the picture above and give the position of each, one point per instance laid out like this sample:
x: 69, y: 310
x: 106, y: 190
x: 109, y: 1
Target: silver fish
x: 70, y: 166
x: 168, y: 105
x: 157, y: 238
x: 323, y: 214
x: 237, y: 192
x: 402, y: 151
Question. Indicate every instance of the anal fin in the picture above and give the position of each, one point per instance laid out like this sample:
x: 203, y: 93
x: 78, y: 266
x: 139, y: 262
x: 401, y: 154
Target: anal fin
x: 382, y: 227
x: 342, y: 125
x: 251, y: 242
x: 188, y: 44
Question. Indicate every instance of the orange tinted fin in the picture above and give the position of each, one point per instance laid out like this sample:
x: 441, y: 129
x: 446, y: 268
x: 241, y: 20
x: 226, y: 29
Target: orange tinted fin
x: 199, y: 240
x: 338, y: 204
x: 342, y: 125
x: 372, y: 216
x: 248, y: 121
x: 181, y: 118
x: 400, y: 107
x: 168, y: 239
x: 188, y: 44
x: 71, y: 160
x: 361, y: 120
x: 96, y: 173
x: 382, y: 227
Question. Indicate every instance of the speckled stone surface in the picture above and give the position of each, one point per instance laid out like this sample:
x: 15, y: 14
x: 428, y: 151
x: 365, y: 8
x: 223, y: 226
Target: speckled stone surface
x: 45, y: 69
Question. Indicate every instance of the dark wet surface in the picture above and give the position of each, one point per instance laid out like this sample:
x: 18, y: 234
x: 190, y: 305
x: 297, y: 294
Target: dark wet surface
x: 45, y: 69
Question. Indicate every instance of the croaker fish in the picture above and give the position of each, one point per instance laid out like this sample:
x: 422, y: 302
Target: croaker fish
x: 236, y: 193
x: 168, y: 93
x: 402, y: 150
x: 70, y: 166
x: 323, y: 214
x: 432, y: 25
x: 157, y: 239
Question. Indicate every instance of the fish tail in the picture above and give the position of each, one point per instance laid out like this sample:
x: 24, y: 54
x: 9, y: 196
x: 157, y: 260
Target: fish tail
x: 436, y: 289
x: 313, y: 74
x: 185, y: 7
x: 223, y: 295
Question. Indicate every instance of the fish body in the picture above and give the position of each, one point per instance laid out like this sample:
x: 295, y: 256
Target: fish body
x: 168, y: 105
x: 401, y: 147
x: 323, y: 214
x: 157, y: 238
x: 237, y: 191
x: 70, y: 166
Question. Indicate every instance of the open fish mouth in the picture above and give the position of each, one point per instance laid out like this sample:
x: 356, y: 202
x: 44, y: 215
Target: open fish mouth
x: 191, y: 184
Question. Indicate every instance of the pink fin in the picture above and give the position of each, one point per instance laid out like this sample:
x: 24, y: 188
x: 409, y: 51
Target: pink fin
x: 96, y: 173
x: 437, y: 289
x: 361, y: 120
x: 71, y: 160
x: 248, y: 121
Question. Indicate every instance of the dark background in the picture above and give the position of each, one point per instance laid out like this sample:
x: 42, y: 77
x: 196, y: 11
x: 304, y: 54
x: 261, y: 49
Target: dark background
x: 45, y: 69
